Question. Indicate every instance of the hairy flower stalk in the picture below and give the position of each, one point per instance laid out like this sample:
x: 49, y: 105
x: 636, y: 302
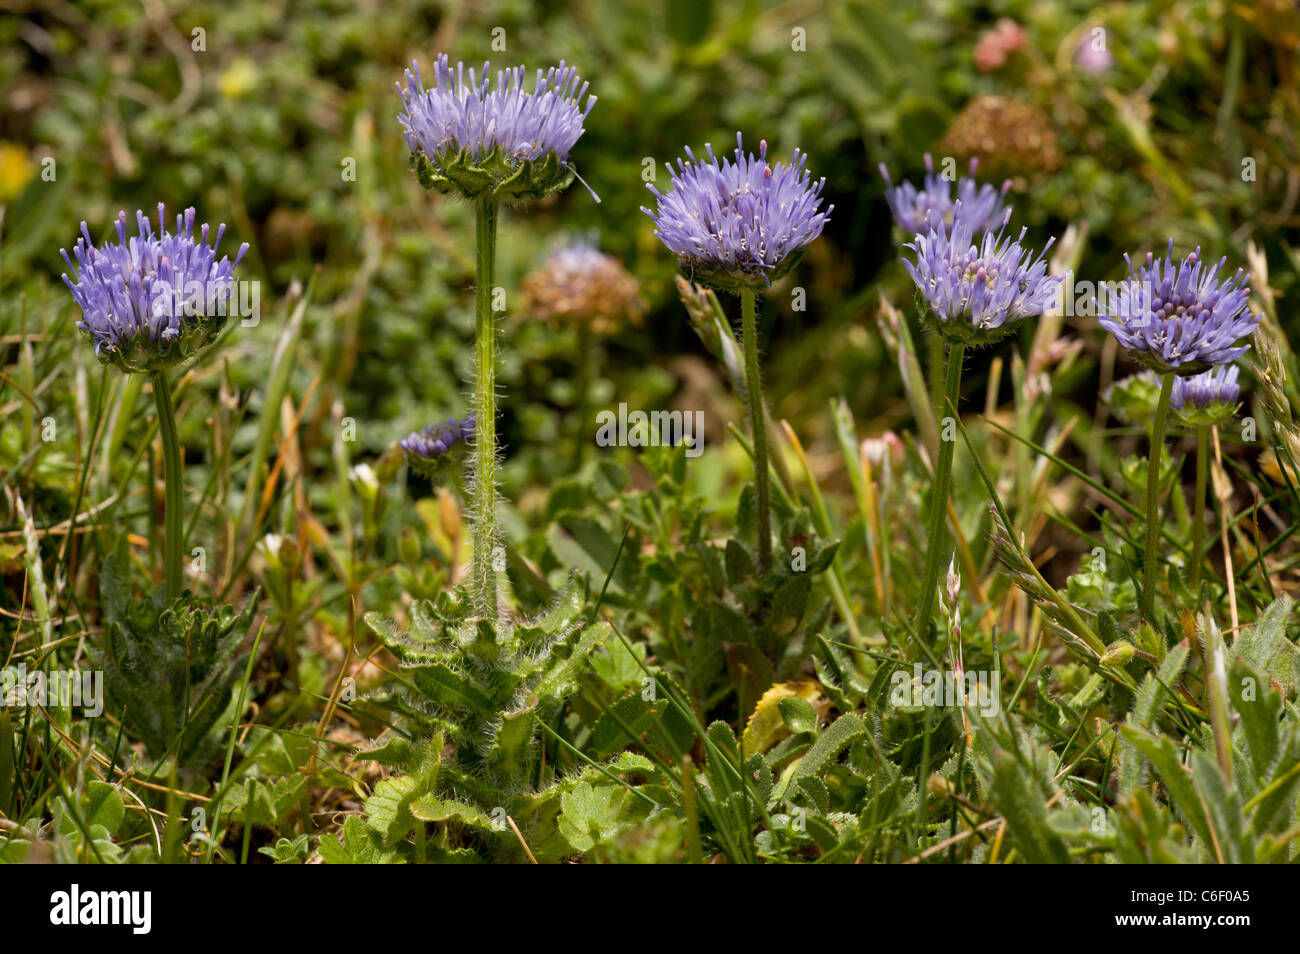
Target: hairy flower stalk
x: 977, y: 292
x: 148, y: 303
x: 1177, y: 318
x: 758, y: 427
x: 1203, y: 402
x: 738, y: 225
x: 484, y: 526
x: 1153, y: 495
x: 173, y: 487
x: 487, y: 142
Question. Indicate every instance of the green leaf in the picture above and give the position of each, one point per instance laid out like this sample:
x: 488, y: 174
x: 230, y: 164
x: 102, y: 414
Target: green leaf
x: 618, y: 667
x: 1258, y: 644
x: 581, y: 542
x: 829, y: 745
x: 592, y: 814
x: 397, y: 752
x: 1259, y: 706
x: 790, y: 603
x: 1164, y: 755
x: 358, y: 846
x: 798, y: 714
x: 631, y: 711
x: 739, y: 565
x: 103, y: 806
x: 1023, y: 806
x: 1224, y: 811
x: 816, y: 791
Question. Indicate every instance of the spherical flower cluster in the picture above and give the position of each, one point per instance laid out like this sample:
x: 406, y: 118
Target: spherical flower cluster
x: 742, y: 223
x: 152, y: 300
x: 477, y: 137
x: 1012, y: 138
x: 913, y: 207
x: 580, y: 285
x: 428, y: 450
x: 978, y: 290
x: 1180, y: 317
x: 1207, y: 398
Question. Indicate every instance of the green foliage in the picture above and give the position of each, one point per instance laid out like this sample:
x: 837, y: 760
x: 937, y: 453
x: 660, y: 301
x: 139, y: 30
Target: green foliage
x: 170, y: 670
x: 695, y: 710
x: 489, y: 689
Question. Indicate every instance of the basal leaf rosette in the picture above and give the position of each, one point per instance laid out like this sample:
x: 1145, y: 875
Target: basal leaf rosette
x: 481, y: 137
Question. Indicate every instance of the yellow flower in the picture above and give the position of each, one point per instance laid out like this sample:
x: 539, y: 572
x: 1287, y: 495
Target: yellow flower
x: 16, y: 170
x: 239, y: 79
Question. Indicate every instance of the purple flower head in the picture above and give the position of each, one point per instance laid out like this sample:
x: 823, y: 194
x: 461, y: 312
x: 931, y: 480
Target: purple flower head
x: 1180, y: 317
x: 979, y: 290
x: 739, y: 224
x: 428, y: 450
x: 470, y: 134
x: 1091, y: 54
x: 152, y: 300
x: 913, y: 207
x: 1208, y: 397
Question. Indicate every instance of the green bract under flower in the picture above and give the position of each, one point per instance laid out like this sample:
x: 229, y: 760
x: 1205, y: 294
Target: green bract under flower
x: 494, y: 176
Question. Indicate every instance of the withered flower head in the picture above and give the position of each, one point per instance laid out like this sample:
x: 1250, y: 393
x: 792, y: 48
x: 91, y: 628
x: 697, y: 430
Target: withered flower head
x: 580, y: 285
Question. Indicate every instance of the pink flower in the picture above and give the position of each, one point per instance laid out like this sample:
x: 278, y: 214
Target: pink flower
x: 996, y: 44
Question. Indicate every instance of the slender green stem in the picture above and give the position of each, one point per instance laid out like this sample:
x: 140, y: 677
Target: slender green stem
x: 1198, y: 519
x: 173, y: 543
x: 758, y: 426
x: 942, y: 482
x: 1149, y: 558
x: 484, y: 503
x: 581, y: 398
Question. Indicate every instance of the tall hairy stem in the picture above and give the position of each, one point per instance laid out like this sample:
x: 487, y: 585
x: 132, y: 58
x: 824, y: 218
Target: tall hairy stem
x: 1198, y: 522
x: 942, y: 485
x: 1149, y: 557
x: 484, y: 484
x: 758, y: 425
x: 173, y: 544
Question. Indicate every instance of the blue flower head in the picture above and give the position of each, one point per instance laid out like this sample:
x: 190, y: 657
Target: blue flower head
x: 1180, y: 317
x: 1210, y: 397
x: 430, y: 451
x: 152, y: 300
x: 739, y: 223
x: 978, y: 290
x: 477, y: 137
x: 913, y: 208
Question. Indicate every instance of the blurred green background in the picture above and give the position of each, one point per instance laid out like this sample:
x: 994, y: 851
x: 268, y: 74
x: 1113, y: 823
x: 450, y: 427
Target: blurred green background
x: 251, y: 111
